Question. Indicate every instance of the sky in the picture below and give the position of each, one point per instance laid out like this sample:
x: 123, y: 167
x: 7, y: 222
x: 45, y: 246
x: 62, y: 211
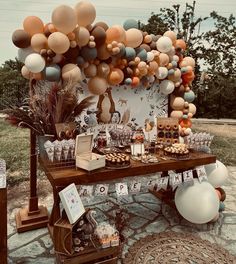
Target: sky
x: 113, y: 12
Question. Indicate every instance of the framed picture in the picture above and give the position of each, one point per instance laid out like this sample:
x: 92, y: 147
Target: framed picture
x: 72, y: 203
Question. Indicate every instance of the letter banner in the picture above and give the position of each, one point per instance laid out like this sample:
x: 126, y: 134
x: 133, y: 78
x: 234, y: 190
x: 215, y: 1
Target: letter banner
x: 201, y: 173
x: 101, y: 189
x: 121, y: 189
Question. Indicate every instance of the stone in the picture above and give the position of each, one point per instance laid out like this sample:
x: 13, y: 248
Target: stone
x: 32, y: 250
x: 128, y: 232
x: 229, y: 218
x: 228, y: 232
x: 137, y: 222
x: 10, y: 230
x: 18, y: 240
x: 154, y: 207
x: 41, y: 261
x: 147, y: 197
x: 138, y: 209
x: 47, y: 241
x: 158, y: 226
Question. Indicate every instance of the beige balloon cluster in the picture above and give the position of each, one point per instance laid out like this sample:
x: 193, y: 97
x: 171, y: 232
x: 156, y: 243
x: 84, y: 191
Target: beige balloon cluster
x: 71, y: 47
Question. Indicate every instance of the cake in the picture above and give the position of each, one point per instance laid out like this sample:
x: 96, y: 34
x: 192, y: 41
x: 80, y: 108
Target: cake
x: 117, y: 160
x: 177, y: 150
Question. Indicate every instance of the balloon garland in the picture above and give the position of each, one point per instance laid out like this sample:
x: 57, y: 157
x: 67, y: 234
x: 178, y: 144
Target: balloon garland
x: 72, y: 47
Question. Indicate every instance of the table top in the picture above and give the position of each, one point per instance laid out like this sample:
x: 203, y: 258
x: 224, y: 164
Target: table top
x: 66, y: 176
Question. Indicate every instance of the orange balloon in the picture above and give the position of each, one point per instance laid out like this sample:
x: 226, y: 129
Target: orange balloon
x: 180, y: 43
x: 103, y: 53
x: 52, y: 28
x: 153, y: 66
x: 113, y: 34
x: 33, y: 25
x: 58, y: 42
x: 185, y: 123
x: 188, y: 77
x: 135, y: 81
x: 71, y: 36
x: 116, y: 76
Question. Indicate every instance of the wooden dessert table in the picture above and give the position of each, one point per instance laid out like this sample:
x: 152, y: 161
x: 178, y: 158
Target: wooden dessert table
x: 60, y: 178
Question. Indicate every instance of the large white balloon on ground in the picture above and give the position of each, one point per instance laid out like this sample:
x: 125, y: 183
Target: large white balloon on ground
x: 198, y: 203
x: 217, y: 173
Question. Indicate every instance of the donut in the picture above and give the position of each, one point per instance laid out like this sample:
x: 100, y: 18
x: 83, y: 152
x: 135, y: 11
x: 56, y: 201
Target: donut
x: 161, y: 134
x: 175, y: 127
x: 160, y: 127
x: 167, y: 127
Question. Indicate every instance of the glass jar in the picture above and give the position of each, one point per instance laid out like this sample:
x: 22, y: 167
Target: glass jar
x: 101, y: 140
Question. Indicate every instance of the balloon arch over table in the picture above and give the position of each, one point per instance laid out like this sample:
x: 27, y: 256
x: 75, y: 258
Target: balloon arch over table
x: 71, y: 47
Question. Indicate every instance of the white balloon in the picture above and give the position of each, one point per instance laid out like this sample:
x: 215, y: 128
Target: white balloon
x: 167, y: 87
x: 150, y: 56
x: 217, y: 173
x: 164, y: 44
x: 35, y: 62
x: 198, y: 203
x: 23, y: 53
x: 162, y: 73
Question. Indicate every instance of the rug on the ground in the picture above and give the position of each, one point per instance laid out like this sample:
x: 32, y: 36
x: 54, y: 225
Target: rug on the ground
x: 177, y: 248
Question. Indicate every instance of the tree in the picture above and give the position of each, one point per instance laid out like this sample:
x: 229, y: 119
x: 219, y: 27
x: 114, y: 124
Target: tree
x: 13, y: 87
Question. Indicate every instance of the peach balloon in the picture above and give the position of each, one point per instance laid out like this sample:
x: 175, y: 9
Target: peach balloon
x: 116, y: 76
x: 64, y: 19
x: 81, y: 36
x: 171, y: 35
x: 97, y: 85
x: 33, y: 25
x: 71, y: 72
x: 177, y: 103
x: 134, y: 38
x: 51, y: 28
x: 176, y: 114
x: 148, y: 39
x: 180, y: 43
x: 39, y: 41
x: 192, y: 109
x: 189, y: 61
x: 163, y: 59
x: 37, y: 76
x: 122, y: 33
x: 86, y: 13
x: 25, y: 72
x: 176, y: 76
x: 114, y: 34
x: 71, y: 36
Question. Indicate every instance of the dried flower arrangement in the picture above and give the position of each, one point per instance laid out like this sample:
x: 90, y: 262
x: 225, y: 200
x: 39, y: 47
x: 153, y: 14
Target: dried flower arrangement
x: 49, y: 103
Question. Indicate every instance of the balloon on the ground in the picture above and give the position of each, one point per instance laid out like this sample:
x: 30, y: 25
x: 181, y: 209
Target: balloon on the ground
x: 198, y: 203
x: 21, y: 38
x: 35, y: 63
x: 217, y: 173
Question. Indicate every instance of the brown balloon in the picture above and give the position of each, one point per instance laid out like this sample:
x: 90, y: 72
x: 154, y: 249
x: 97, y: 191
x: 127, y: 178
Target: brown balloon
x: 103, y: 53
x: 146, y: 47
x: 102, y: 24
x: 179, y: 91
x: 99, y: 34
x: 72, y: 53
x: 21, y: 38
x: 153, y: 45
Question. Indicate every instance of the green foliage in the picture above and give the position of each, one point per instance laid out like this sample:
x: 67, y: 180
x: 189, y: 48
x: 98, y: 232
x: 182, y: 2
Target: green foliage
x: 13, y: 87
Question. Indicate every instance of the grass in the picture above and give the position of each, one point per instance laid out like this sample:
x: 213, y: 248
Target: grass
x: 14, y: 149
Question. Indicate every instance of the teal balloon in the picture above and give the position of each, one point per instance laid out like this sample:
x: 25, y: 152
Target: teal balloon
x: 221, y: 207
x: 130, y: 53
x: 141, y: 53
x: 52, y: 73
x: 174, y: 64
x: 183, y: 70
x: 128, y: 81
x: 80, y: 61
x: 88, y: 53
x: 171, y: 72
x: 185, y: 116
x: 130, y: 23
x: 189, y: 96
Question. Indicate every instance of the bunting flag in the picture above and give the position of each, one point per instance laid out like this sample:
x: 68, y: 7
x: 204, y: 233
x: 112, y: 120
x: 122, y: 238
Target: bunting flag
x: 134, y: 185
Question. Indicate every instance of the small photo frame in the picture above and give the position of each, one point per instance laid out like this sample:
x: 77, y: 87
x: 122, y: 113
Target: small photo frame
x: 72, y: 203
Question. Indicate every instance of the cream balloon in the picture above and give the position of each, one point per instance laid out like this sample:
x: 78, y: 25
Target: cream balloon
x: 192, y: 109
x: 167, y: 87
x: 39, y: 41
x: 162, y: 73
x: 217, y: 173
x: 71, y: 72
x: 86, y: 13
x: 164, y: 44
x: 25, y: 72
x: 35, y: 62
x: 64, y: 19
x: 189, y: 61
x: 177, y: 103
x: 198, y: 203
x: 171, y: 35
x: 176, y: 114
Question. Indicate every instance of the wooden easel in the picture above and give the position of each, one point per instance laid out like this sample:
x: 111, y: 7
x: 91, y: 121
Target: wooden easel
x: 33, y: 216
